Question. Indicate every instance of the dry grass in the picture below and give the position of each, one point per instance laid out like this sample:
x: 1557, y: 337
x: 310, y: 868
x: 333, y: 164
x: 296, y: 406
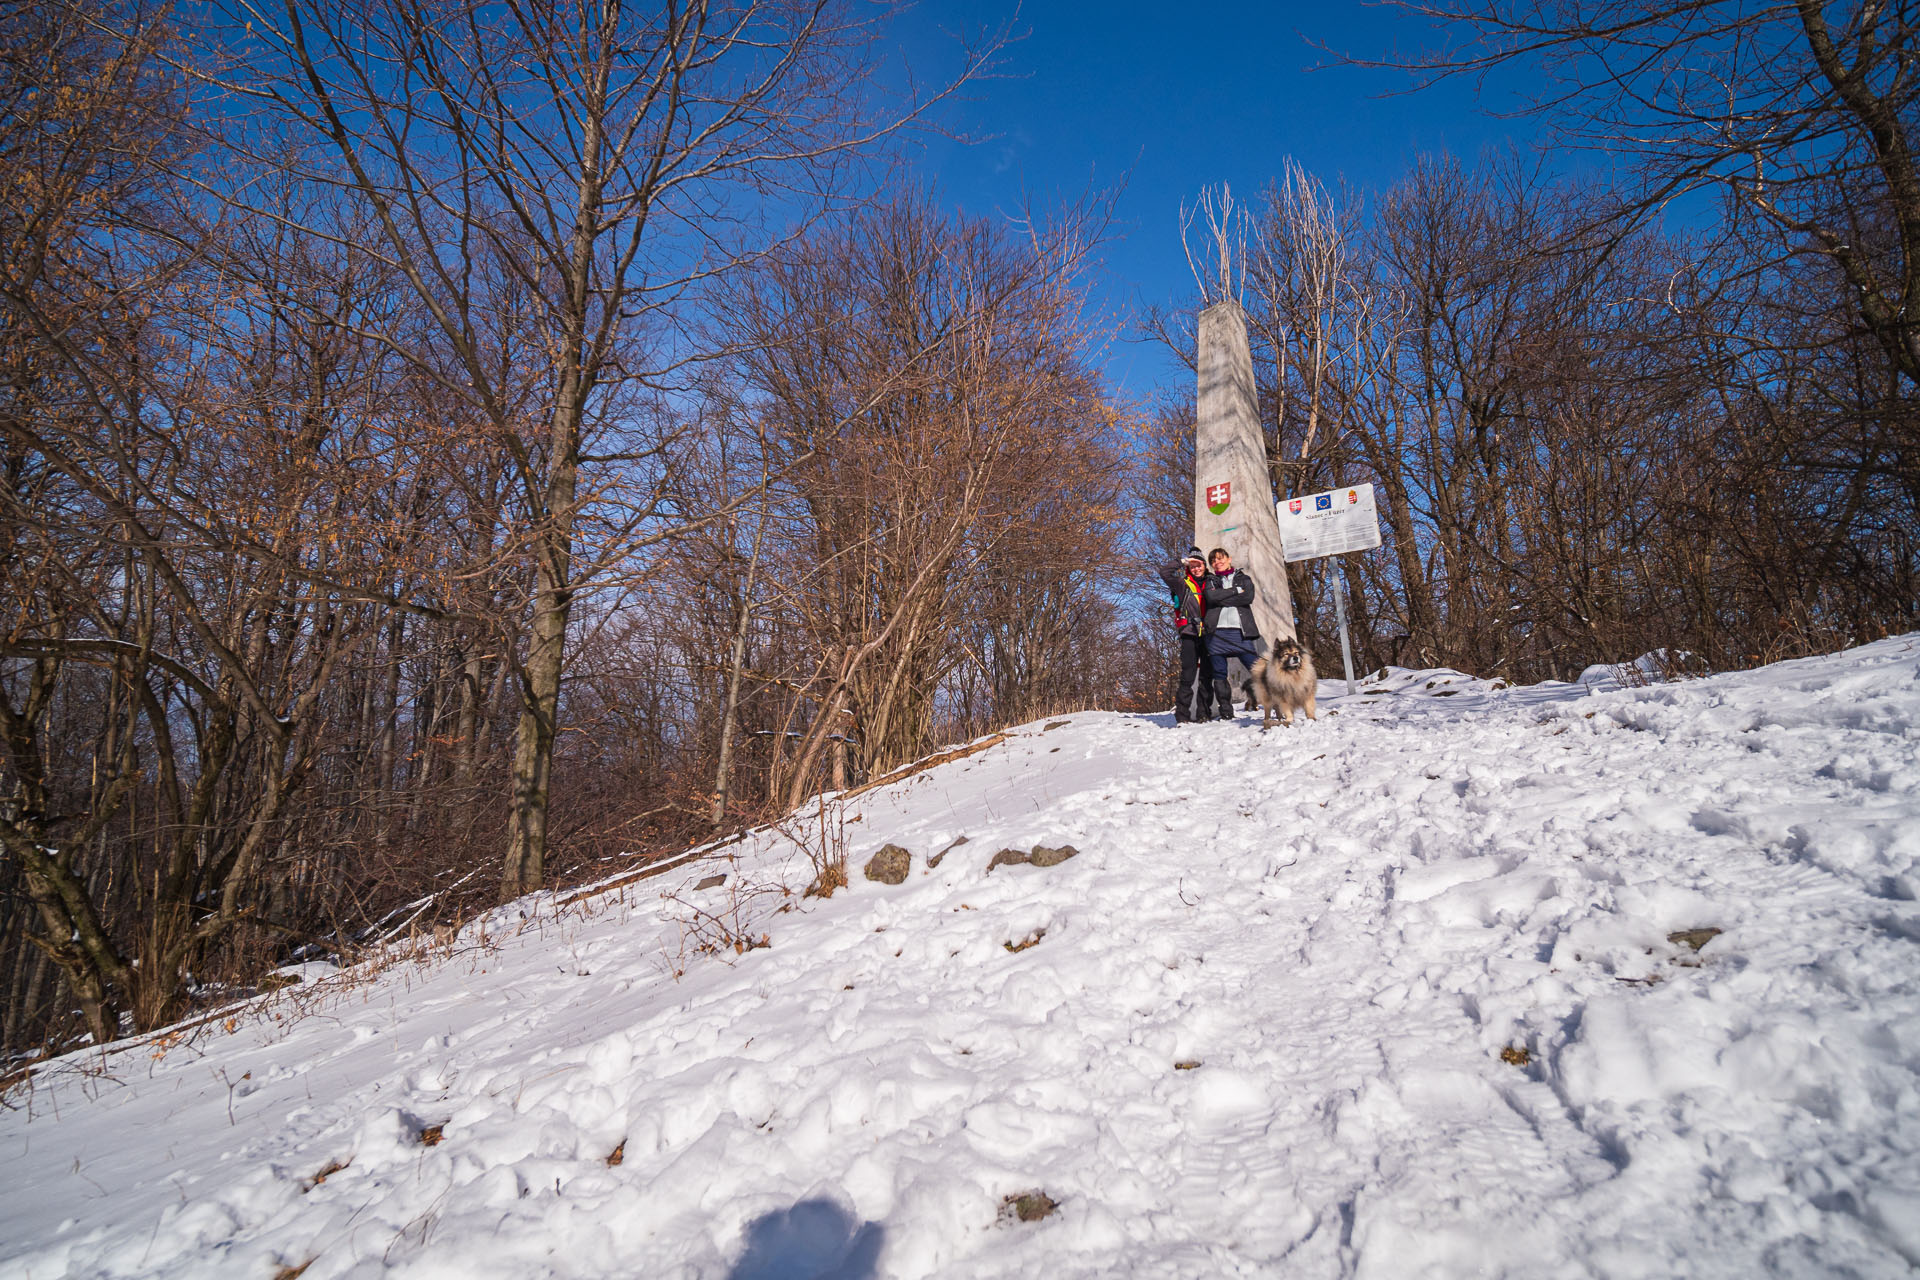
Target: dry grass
x: 326, y: 1171
x: 831, y: 879
x: 1028, y: 1206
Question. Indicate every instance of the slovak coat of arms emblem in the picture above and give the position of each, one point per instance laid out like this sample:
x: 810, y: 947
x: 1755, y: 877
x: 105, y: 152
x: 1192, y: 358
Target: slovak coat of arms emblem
x: 1219, y: 497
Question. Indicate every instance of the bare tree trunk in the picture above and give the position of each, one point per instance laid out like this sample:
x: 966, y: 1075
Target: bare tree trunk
x: 730, y: 707
x: 389, y: 735
x: 526, y: 860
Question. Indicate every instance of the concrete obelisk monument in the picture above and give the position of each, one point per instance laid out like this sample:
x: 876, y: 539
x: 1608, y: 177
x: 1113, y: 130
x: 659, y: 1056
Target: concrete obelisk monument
x: 1232, y: 498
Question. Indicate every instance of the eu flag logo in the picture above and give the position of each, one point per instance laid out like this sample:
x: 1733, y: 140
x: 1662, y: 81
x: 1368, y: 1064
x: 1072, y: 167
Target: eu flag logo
x: 1323, y: 502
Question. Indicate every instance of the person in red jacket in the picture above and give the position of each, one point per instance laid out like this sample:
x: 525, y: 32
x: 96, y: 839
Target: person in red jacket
x: 1187, y: 578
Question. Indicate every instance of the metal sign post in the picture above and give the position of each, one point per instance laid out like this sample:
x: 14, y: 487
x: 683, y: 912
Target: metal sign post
x: 1340, y: 611
x: 1331, y: 524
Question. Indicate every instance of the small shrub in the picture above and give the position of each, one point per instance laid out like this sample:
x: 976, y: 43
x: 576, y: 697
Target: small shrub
x: 1028, y: 1206
x: 832, y: 877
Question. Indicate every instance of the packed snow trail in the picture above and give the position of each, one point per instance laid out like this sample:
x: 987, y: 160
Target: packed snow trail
x: 1255, y: 1027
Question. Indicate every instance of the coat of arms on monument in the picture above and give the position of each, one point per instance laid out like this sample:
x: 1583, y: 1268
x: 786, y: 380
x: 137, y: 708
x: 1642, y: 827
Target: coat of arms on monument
x: 1219, y: 497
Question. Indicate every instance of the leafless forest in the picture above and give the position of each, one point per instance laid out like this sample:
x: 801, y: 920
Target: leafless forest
x: 450, y: 451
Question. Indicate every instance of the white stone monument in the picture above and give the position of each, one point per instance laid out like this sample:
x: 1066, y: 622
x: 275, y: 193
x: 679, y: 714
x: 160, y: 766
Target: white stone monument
x: 1233, y: 503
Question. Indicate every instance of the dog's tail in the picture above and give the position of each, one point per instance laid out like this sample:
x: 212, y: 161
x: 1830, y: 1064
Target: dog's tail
x: 1259, y: 668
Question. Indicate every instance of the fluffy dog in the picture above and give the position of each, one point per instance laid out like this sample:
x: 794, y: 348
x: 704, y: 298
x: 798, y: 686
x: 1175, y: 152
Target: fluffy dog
x: 1284, y: 682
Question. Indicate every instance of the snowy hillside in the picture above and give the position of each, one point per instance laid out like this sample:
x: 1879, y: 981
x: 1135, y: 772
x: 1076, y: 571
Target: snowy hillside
x: 1430, y: 987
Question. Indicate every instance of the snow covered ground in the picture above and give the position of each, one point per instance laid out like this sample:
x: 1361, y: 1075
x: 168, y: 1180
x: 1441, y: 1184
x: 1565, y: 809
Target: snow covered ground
x: 1407, y: 992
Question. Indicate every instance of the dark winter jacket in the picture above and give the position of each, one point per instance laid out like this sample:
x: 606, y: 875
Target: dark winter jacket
x: 1238, y: 596
x: 1189, y: 610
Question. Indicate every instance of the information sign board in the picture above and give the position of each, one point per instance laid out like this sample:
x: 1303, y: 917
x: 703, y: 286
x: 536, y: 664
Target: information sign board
x: 1329, y: 524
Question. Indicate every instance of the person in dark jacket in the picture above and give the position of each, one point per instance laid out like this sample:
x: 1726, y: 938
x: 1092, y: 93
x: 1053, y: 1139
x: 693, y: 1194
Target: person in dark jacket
x: 1231, y: 631
x: 1187, y: 579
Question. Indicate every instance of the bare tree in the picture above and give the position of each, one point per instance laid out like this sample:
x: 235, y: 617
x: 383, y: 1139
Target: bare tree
x: 593, y: 158
x: 906, y: 501
x: 1800, y: 116
x: 1219, y: 273
x: 189, y: 467
x: 1309, y: 308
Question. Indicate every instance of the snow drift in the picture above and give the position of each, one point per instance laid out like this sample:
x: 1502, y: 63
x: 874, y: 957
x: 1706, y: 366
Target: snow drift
x: 1458, y: 980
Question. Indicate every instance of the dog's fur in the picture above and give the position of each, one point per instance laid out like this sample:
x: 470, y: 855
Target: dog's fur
x: 1284, y: 682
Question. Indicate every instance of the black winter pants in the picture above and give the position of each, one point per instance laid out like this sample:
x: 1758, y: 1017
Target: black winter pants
x: 1196, y: 669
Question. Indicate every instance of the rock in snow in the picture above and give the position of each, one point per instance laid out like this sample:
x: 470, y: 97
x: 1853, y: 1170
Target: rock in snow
x: 1429, y: 988
x: 890, y: 865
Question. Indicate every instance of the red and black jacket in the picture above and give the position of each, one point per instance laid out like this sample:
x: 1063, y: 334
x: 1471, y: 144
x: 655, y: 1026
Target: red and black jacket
x: 1189, y: 597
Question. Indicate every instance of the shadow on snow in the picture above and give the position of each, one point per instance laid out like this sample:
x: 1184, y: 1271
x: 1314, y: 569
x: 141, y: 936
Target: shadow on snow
x: 814, y: 1240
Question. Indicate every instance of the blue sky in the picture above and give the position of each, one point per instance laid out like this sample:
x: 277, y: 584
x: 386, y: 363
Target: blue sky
x: 1170, y: 98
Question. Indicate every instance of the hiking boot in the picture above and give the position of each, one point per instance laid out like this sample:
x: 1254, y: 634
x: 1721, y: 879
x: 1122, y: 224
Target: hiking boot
x: 1222, y: 700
